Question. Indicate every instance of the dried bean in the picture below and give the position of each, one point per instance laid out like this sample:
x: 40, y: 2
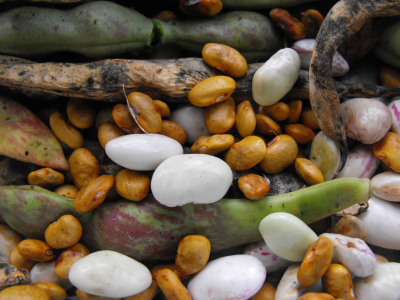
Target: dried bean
x: 67, y: 258
x: 80, y: 113
x: 212, y: 144
x: 36, y: 250
x: 193, y: 254
x: 253, y: 186
x: 107, y: 132
x: 220, y: 117
x: 83, y: 166
x: 123, y: 118
x: 65, y: 131
x: 46, y: 178
x: 132, y: 185
x: 245, y: 119
x: 63, y: 233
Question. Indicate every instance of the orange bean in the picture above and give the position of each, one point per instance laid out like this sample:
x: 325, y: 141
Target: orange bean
x: 147, y: 294
x: 55, y: 291
x: 267, y: 292
x: 308, y: 171
x: 220, y: 117
x: 171, y: 266
x: 253, y: 186
x: 296, y: 107
x: 24, y: 292
x: 301, y: 133
x: 174, y: 131
x: 17, y: 260
x: 163, y: 108
x: 124, y: 120
x: 212, y: 144
x: 337, y: 282
x: 67, y: 190
x: 265, y: 125
x: 165, y: 15
x: 312, y: 20
x: 308, y: 118
x: 291, y: 26
x: 107, y: 132
x: 67, y: 258
x: 388, y: 150
x: 316, y: 296
x: 83, y: 166
x: 65, y: 131
x: 279, y: 111
x: 202, y: 8
x: 193, y: 254
x: 132, y: 185
x: 46, y: 178
x: 80, y: 112
x: 36, y: 250
x: 63, y: 233
x: 245, y: 119
x: 171, y: 286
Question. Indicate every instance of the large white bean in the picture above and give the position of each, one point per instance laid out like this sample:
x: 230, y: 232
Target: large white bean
x: 361, y: 162
x: 366, y: 120
x: 289, y: 287
x: 305, y: 47
x: 352, y: 253
x: 271, y: 261
x: 110, y: 274
x: 276, y: 77
x: 386, y: 185
x: 191, y: 178
x: 191, y: 119
x: 382, y: 220
x: 142, y: 152
x: 231, y: 277
x: 287, y: 236
x: 383, y: 284
x: 325, y: 154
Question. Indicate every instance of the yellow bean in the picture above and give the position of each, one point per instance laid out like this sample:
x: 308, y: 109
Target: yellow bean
x: 193, y: 254
x: 67, y: 258
x: 147, y: 294
x: 67, y: 190
x: 94, y: 193
x: 267, y: 292
x: 301, y: 133
x: 171, y: 286
x: 163, y: 108
x: 265, y: 125
x: 124, y: 120
x: 46, y: 178
x: 80, y: 112
x: 63, y: 233
x: 246, y: 154
x: 245, y: 119
x: 220, y: 117
x: 55, y: 291
x: 308, y: 171
x: 212, y: 144
x: 279, y: 111
x: 212, y: 90
x: 171, y: 266
x: 107, y: 132
x: 337, y: 282
x: 65, y: 131
x: 83, y: 166
x: 36, y: 250
x: 308, y: 118
x: 24, y: 292
x: 316, y: 296
x: 132, y: 185
x: 253, y: 186
x: 225, y: 58
x: 388, y: 150
x: 296, y: 107
x: 145, y: 112
x: 17, y: 260
x: 174, y: 131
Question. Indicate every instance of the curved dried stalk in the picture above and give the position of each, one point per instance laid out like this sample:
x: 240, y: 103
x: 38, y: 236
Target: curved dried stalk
x: 344, y: 19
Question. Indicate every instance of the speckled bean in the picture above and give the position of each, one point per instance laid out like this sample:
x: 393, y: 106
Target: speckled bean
x: 386, y: 185
x: 351, y: 226
x: 193, y: 253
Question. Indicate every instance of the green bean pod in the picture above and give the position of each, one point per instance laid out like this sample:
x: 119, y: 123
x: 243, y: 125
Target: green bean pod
x: 94, y: 29
x: 250, y: 33
x: 147, y: 230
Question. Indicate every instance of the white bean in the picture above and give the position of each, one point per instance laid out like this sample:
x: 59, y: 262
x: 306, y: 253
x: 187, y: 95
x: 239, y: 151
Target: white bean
x: 386, y: 185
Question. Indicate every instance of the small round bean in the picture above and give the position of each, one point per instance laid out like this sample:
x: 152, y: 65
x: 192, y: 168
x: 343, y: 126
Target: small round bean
x: 193, y: 253
x: 132, y: 185
x: 253, y: 186
x: 63, y: 233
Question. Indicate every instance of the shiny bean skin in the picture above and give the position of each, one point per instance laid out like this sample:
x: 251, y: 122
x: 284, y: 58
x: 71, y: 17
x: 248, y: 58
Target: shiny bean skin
x: 83, y: 166
x: 291, y: 26
x: 386, y: 185
x: 265, y: 125
x: 46, y: 178
x: 17, y: 260
x: 171, y: 266
x: 202, y: 8
x: 123, y: 118
x: 281, y: 152
x: 337, y: 282
x: 94, y: 193
x: 388, y: 151
x: 63, y: 233
x: 67, y: 190
x: 171, y: 286
x: 351, y: 226
x: 132, y: 185
x: 316, y: 261
x: 67, y: 258
x: 174, y: 131
x: 253, y: 186
x: 103, y: 115
x: 212, y: 144
x: 163, y: 107
x: 245, y: 119
x: 65, y: 131
x: 267, y: 292
x: 107, y: 132
x: 24, y: 292
x: 225, y: 59
x: 80, y: 112
x: 55, y: 291
x: 308, y: 171
x: 301, y: 133
x: 220, y: 117
x: 145, y: 112
x: 36, y: 250
x: 165, y: 15
x: 147, y: 294
x: 279, y: 111
x: 312, y: 20
x: 193, y: 254
x: 212, y: 90
x: 316, y: 296
x: 296, y: 107
x: 246, y: 154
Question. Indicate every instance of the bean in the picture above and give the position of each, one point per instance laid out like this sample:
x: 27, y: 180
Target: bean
x: 17, y: 260
x: 80, y: 112
x: 193, y: 254
x: 388, y: 150
x: 212, y: 90
x: 225, y: 58
x: 245, y: 119
x: 337, y: 282
x: 253, y: 186
x: 265, y: 125
x: 308, y: 118
x: 212, y: 144
x: 301, y: 133
x: 65, y: 131
x: 202, y: 8
x: 43, y: 271
x: 389, y: 76
x: 145, y: 112
x: 174, y: 131
x: 296, y: 107
x: 9, y: 240
x: 279, y: 111
x: 386, y: 185
x: 67, y: 190
x: 292, y: 27
x: 171, y: 286
x: 267, y: 292
x: 220, y: 117
x: 171, y: 266
x: 394, y: 107
x: 246, y: 154
x: 46, y: 178
x: 132, y: 185
x: 165, y: 15
x: 93, y: 193
x: 67, y: 258
x: 107, y: 132
x: 316, y: 296
x: 104, y: 115
x: 63, y: 233
x: 308, y: 171
x: 281, y: 152
x: 147, y: 294
x: 316, y: 261
x: 312, y: 20
x: 351, y: 226
x: 123, y: 118
x: 55, y: 291
x: 36, y: 250
x: 24, y: 292
x: 163, y: 108
x: 85, y: 296
x: 83, y: 166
